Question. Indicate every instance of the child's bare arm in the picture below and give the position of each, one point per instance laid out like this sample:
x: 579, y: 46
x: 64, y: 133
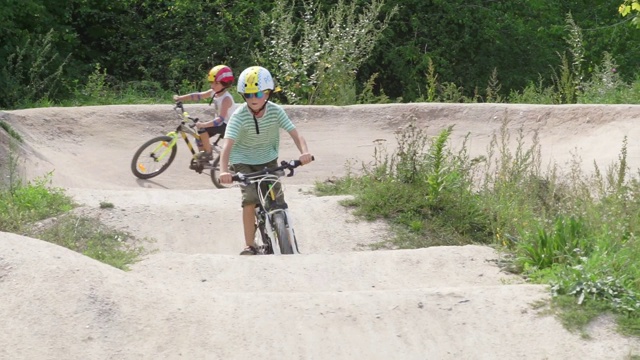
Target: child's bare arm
x: 301, y: 143
x: 224, y: 112
x: 225, y: 107
x: 193, y: 96
x: 224, y: 156
x: 225, y: 176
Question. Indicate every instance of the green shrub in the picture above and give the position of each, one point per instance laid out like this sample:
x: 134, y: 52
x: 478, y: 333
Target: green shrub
x: 24, y: 204
x: 31, y: 73
x: 315, y: 58
x: 572, y: 230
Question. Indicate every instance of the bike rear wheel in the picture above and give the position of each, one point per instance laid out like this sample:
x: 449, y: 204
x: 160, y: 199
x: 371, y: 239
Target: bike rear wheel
x: 282, y: 233
x: 215, y: 175
x: 153, y: 157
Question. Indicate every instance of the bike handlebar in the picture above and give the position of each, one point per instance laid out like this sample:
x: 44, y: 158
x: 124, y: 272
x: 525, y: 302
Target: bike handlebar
x: 284, y: 165
x: 180, y: 106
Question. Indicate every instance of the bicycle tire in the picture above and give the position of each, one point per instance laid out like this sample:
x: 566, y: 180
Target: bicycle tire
x: 215, y: 175
x: 144, y: 159
x: 261, y: 234
x: 282, y: 233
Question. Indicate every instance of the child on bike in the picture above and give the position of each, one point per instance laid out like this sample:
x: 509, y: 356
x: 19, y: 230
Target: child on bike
x: 252, y: 142
x: 221, y: 78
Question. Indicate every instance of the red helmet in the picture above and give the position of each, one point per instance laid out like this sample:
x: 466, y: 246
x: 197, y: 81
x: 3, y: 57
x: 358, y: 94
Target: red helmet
x: 220, y: 73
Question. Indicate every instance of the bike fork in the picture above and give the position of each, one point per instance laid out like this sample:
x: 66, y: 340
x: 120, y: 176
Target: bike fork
x: 262, y: 232
x: 164, y: 149
x: 275, y: 247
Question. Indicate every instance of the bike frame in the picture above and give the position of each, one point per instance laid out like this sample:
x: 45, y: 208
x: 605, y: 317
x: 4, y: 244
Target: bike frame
x: 181, y: 131
x: 264, y: 180
x: 265, y: 210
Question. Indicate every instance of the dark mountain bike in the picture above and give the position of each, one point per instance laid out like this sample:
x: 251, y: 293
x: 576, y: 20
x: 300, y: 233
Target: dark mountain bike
x: 274, y: 226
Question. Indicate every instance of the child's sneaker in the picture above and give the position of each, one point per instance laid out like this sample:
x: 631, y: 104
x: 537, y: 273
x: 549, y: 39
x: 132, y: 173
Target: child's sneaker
x: 249, y: 250
x: 203, y: 156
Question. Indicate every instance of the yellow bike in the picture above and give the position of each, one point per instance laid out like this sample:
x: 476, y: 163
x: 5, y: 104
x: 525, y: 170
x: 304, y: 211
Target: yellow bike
x: 155, y: 155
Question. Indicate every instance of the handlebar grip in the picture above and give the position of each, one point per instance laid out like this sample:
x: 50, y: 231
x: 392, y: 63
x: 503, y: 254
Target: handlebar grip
x: 297, y: 163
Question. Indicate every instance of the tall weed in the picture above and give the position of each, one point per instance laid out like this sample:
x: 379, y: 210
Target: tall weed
x: 32, y: 72
x: 573, y: 230
x: 10, y: 175
x: 564, y: 82
x: 367, y: 95
x: 96, y: 86
x: 493, y: 88
x: 535, y: 93
x: 604, y: 85
x: 423, y: 187
x: 315, y: 59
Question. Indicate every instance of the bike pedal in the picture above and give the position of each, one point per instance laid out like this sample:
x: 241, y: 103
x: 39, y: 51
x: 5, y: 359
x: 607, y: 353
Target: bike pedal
x: 196, y: 166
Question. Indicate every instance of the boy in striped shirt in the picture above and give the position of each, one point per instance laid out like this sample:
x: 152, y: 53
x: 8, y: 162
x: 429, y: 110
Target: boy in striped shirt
x: 252, y: 141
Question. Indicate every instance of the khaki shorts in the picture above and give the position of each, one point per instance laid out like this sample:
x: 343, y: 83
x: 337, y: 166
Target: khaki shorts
x: 250, y: 192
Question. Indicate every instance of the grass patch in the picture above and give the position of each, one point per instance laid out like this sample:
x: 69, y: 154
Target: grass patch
x: 14, y: 134
x: 106, y: 205
x: 577, y: 318
x: 90, y: 237
x: 40, y: 211
x: 573, y: 230
x: 23, y: 204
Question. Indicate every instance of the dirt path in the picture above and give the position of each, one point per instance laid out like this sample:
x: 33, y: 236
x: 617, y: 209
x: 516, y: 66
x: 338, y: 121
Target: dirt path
x: 196, y: 299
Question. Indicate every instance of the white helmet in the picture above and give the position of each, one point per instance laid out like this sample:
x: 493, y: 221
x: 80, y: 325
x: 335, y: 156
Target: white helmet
x: 254, y: 79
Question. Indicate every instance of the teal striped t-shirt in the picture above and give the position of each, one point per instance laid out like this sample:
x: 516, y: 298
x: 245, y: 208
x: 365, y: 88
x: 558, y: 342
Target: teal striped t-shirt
x: 251, y: 148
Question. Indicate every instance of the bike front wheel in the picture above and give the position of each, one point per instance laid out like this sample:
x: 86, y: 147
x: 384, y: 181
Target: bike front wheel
x: 282, y: 233
x: 215, y: 175
x: 153, y: 157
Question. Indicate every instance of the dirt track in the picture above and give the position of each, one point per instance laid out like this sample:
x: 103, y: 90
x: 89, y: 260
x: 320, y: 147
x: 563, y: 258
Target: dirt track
x: 196, y: 299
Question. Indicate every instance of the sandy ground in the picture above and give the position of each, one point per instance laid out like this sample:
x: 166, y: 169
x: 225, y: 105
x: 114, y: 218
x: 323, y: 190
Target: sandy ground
x: 195, y: 298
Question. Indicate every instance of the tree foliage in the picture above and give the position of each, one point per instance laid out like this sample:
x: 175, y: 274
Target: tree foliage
x: 631, y: 7
x: 312, y: 47
x: 314, y: 55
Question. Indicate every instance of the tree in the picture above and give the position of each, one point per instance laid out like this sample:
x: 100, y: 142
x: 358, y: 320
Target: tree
x: 315, y: 55
x: 628, y: 7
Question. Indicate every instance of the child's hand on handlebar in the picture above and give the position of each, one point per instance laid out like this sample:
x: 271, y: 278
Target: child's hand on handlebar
x: 305, y: 158
x: 225, y: 178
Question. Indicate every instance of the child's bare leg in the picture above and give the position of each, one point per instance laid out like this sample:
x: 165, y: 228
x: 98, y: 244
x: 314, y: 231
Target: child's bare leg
x: 206, y: 142
x: 248, y: 222
x: 199, y: 142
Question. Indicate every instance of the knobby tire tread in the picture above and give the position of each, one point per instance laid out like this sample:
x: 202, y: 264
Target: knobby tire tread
x: 280, y: 227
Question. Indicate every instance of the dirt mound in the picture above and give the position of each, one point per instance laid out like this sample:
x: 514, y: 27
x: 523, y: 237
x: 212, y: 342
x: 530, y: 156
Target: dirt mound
x: 195, y: 298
